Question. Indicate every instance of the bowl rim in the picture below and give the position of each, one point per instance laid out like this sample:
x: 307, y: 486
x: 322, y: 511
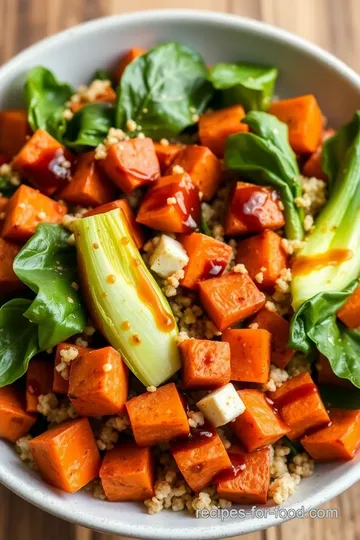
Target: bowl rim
x: 12, y: 480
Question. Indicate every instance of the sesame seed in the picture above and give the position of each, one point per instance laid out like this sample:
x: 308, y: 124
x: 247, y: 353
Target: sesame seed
x: 131, y: 125
x: 151, y: 388
x: 70, y: 300
x: 107, y: 367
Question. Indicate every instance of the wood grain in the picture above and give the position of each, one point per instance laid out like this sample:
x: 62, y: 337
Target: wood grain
x: 332, y: 24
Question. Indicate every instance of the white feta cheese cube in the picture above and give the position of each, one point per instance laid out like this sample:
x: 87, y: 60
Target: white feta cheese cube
x: 222, y: 406
x: 168, y: 257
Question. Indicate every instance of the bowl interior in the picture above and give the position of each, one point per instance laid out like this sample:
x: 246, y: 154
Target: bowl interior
x: 74, y: 56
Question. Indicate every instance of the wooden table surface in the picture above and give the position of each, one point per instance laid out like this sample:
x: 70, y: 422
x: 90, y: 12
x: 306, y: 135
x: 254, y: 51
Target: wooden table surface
x: 332, y: 24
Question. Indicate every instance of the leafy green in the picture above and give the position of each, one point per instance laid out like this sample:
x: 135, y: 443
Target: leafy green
x: 266, y: 158
x: 102, y: 75
x: 47, y: 265
x: 45, y: 98
x: 6, y: 187
x: 295, y: 446
x: 315, y: 324
x: 89, y: 126
x: 250, y: 85
x: 340, y: 398
x: 18, y: 340
x: 163, y: 91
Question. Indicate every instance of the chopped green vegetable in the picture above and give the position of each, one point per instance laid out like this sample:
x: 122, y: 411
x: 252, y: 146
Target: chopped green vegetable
x: 123, y: 298
x: 102, y: 75
x: 295, y: 446
x: 249, y: 85
x: 45, y: 98
x: 18, y: 340
x: 47, y: 265
x: 340, y: 398
x: 266, y: 158
x: 204, y: 227
x: 89, y: 126
x: 163, y: 91
x: 6, y: 187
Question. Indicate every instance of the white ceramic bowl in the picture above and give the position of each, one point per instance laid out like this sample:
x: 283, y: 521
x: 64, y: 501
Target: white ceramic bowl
x: 74, y: 55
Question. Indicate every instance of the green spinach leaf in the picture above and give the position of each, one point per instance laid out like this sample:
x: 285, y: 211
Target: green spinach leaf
x: 45, y: 97
x: 18, y: 340
x: 6, y: 187
x: 249, y: 85
x: 340, y: 398
x: 266, y: 158
x: 163, y: 91
x: 89, y: 126
x: 204, y: 227
x: 47, y: 265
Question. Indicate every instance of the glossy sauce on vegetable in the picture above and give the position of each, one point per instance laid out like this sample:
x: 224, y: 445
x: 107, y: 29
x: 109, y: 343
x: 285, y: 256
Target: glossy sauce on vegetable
x: 304, y: 264
x: 33, y: 387
x: 248, y: 205
x: 213, y: 268
x: 164, y: 320
x: 238, y: 465
x: 296, y: 394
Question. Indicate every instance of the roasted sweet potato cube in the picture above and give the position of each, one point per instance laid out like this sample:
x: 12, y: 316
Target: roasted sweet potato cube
x: 216, y: 126
x: 126, y: 59
x: 127, y: 473
x: 349, y: 313
x: 15, y: 422
x: 157, y: 417
x: 259, y: 425
x: 313, y: 166
x: 263, y: 257
x: 67, y: 455
x: 250, y: 351
x: 248, y: 482
x: 303, y: 116
x: 39, y: 380
x: 300, y: 405
x: 279, y: 330
x: 166, y: 153
x: 13, y: 131
x: 206, y: 364
x: 203, y: 167
x: 207, y: 258
x: 171, y: 205
x: 337, y: 441
x: 44, y: 162
x: 25, y: 210
x: 123, y: 205
x: 9, y: 282
x: 253, y: 209
x: 230, y: 298
x: 131, y: 164
x: 88, y: 186
x: 98, y: 383
x: 201, y: 457
x: 60, y: 384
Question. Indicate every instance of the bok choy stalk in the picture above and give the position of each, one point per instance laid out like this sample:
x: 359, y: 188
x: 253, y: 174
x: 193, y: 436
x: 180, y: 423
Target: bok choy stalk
x: 123, y: 298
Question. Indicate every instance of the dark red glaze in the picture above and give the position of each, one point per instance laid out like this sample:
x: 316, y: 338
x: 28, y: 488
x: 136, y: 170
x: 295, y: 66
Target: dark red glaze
x: 294, y: 395
x: 184, y: 401
x: 3, y: 160
x: 213, y: 268
x: 33, y: 387
x: 48, y: 174
x: 140, y: 175
x: 248, y: 205
x: 238, y: 465
x: 314, y: 429
x: 195, y: 438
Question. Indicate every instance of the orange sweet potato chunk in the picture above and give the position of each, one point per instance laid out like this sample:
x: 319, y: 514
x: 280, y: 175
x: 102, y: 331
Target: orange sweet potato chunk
x: 216, y: 126
x: 39, y: 380
x: 13, y: 131
x: 262, y: 254
x: 67, y: 455
x: 98, y: 383
x: 126, y: 59
x: 250, y: 478
x: 279, y: 330
x: 131, y: 164
x: 259, y: 425
x: 206, y: 364
x: 201, y: 458
x: 207, y: 258
x: 338, y: 441
x: 25, y: 210
x: 88, y: 186
x: 15, y: 422
x: 203, y: 167
x: 157, y: 417
x: 349, y: 313
x: 123, y: 205
x: 300, y: 405
x: 44, y: 162
x: 250, y: 351
x: 253, y: 209
x: 61, y: 385
x: 171, y: 205
x: 166, y: 153
x: 9, y: 282
x: 127, y: 473
x: 304, y: 119
x: 230, y: 298
x: 313, y: 166
x: 327, y: 376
